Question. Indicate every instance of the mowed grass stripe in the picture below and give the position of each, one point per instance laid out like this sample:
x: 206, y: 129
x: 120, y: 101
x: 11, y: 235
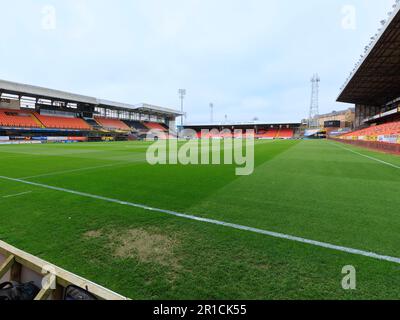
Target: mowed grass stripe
x: 216, y: 263
x: 216, y: 222
x: 315, y: 191
x: 310, y: 189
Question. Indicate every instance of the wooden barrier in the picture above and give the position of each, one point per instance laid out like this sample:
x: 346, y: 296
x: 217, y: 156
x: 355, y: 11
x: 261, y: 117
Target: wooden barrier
x: 17, y: 265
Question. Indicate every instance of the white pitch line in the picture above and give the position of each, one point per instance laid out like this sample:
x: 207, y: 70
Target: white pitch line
x: 217, y: 222
x: 368, y: 157
x: 80, y: 169
x: 17, y: 195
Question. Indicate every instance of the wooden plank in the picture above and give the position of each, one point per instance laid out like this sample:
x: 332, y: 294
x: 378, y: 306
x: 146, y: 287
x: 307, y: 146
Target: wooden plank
x: 4, y: 252
x: 46, y: 291
x: 6, y: 266
x: 64, y: 278
x: 16, y: 271
x: 58, y: 294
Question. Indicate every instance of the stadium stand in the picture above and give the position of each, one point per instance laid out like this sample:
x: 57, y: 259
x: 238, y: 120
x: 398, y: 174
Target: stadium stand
x: 155, y: 126
x: 267, y: 131
x: 18, y: 118
x: 94, y: 124
x: 32, y: 114
x: 62, y: 122
x: 371, y: 88
x: 136, y: 125
x: 113, y: 124
x: 286, y: 134
x: 265, y: 134
x: 271, y: 134
x: 391, y: 128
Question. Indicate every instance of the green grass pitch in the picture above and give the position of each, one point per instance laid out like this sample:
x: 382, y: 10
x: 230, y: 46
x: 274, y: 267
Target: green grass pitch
x: 310, y: 189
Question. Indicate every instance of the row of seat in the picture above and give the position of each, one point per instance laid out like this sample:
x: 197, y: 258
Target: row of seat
x: 32, y: 119
x: 63, y: 122
x: 391, y: 128
x: 261, y: 134
x: 136, y: 125
x: 155, y: 126
x: 112, y: 124
x: 286, y: 133
x: 17, y: 118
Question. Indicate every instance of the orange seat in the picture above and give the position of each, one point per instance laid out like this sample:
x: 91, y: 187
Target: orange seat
x: 391, y: 128
x: 286, y: 133
x: 113, y: 124
x: 17, y: 118
x: 155, y: 126
x: 62, y: 122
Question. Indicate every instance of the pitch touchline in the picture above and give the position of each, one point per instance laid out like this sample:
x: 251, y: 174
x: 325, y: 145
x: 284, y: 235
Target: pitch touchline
x: 215, y: 222
x: 368, y: 157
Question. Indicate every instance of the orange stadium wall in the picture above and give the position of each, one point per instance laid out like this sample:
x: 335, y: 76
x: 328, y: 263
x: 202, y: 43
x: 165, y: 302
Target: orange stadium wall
x: 374, y: 145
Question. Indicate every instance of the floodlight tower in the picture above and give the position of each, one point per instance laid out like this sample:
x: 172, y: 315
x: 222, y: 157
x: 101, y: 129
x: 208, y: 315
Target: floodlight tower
x: 212, y: 113
x: 314, y: 107
x: 182, y: 94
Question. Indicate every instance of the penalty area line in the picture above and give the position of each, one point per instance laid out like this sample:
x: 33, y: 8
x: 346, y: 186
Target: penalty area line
x: 216, y: 222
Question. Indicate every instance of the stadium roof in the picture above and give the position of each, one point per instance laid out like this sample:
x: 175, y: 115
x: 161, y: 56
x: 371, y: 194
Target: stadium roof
x: 21, y: 89
x: 40, y: 92
x: 144, y: 107
x: 376, y: 79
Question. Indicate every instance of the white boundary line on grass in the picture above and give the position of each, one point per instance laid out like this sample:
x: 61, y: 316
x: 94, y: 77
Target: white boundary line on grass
x: 216, y: 222
x: 81, y: 169
x: 16, y: 195
x: 68, y: 171
x: 368, y: 157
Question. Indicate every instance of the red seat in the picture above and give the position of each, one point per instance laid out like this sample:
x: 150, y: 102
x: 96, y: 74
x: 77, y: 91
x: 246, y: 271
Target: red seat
x: 286, y: 133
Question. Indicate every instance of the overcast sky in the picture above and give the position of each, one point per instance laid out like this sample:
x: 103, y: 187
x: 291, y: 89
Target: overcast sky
x: 251, y: 58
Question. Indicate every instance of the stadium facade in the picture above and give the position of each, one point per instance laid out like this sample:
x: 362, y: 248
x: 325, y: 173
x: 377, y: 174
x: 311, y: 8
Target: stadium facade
x: 35, y: 114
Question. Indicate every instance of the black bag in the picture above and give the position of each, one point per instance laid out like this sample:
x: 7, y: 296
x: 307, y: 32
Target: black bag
x: 77, y: 293
x: 14, y: 291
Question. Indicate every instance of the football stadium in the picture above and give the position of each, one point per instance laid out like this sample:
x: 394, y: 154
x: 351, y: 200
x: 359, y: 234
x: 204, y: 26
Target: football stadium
x: 82, y: 206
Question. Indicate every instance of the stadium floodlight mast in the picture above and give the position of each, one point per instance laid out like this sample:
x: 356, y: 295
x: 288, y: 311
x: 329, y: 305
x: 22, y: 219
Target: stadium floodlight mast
x: 182, y: 95
x: 314, y: 107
